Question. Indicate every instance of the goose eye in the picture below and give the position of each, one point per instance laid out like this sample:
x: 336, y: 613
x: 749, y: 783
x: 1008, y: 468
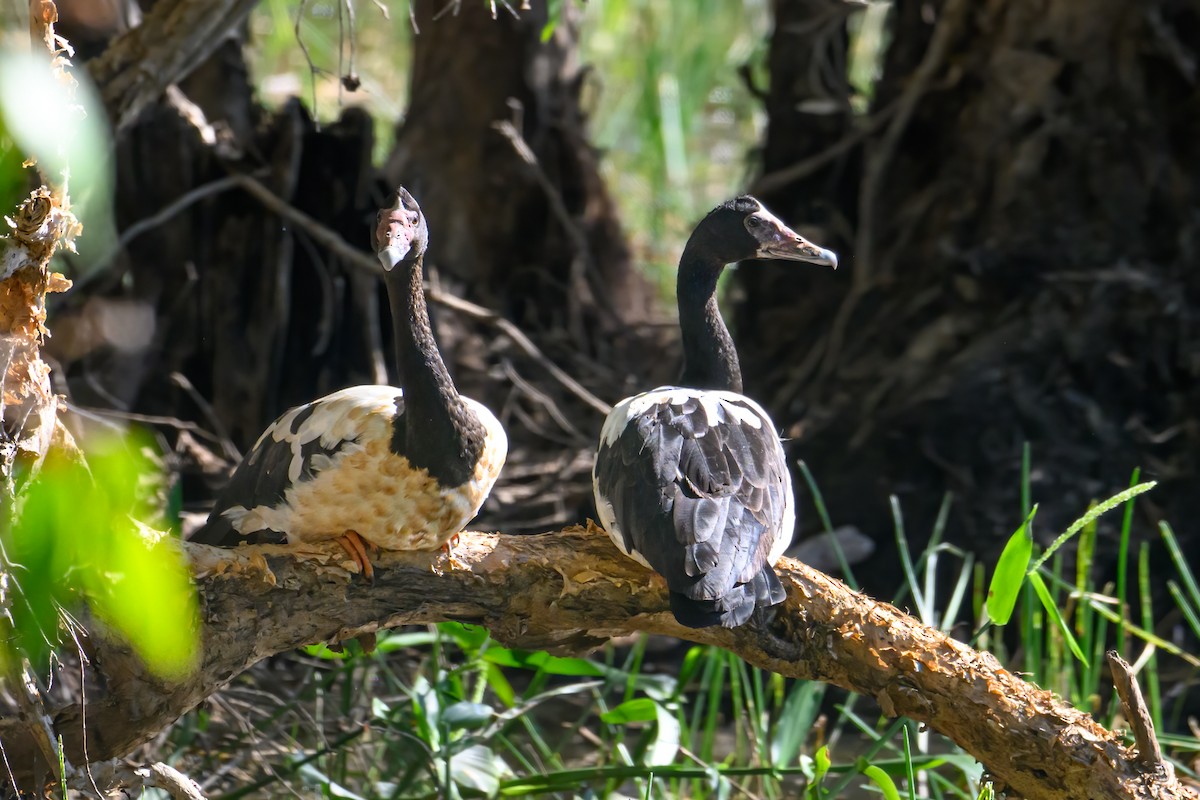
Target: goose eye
x: 753, y: 222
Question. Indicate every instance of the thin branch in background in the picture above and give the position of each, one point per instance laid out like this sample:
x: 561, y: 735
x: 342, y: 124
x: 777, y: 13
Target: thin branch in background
x: 879, y: 158
x: 313, y: 69
x: 350, y: 79
x: 877, y: 161
x: 182, y: 203
x: 540, y: 397
x: 583, y: 264
x: 781, y: 178
x: 226, y: 442
x: 331, y: 240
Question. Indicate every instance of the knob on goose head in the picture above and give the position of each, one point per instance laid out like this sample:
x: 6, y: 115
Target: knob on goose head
x: 400, y: 231
x: 743, y: 228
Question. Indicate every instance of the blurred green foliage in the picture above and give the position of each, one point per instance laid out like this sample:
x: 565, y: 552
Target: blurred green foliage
x: 65, y: 129
x: 12, y: 171
x: 77, y: 539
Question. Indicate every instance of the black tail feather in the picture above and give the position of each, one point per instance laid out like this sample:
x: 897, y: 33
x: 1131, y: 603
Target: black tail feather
x: 733, y: 608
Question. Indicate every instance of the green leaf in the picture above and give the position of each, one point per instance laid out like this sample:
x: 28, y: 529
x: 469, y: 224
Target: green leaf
x: 1010, y: 572
x: 76, y: 541
x: 400, y: 641
x: 322, y: 651
x: 666, y: 738
x: 466, y: 714
x: 499, y: 685
x: 821, y: 764
x: 884, y: 781
x: 1043, y: 594
x: 539, y: 660
x: 642, y: 709
x: 478, y: 768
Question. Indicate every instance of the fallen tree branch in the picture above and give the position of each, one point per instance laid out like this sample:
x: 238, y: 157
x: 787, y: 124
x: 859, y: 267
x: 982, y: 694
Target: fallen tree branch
x: 570, y: 591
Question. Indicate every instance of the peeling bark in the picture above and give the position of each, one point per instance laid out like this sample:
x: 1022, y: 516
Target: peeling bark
x: 569, y: 591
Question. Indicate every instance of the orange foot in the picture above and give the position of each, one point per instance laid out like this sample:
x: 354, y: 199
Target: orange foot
x: 448, y: 549
x: 358, y: 548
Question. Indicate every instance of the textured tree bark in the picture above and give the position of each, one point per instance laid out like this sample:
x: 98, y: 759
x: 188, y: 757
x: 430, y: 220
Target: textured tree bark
x: 1017, y: 230
x: 545, y: 249
x: 172, y: 40
x: 569, y: 591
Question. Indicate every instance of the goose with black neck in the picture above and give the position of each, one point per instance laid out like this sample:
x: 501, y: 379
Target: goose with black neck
x: 691, y: 480
x: 372, y: 466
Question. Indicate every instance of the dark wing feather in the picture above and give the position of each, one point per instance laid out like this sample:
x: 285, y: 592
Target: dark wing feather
x: 264, y: 475
x: 702, y: 503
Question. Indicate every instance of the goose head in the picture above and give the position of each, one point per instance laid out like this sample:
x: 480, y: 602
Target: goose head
x: 743, y: 228
x: 400, y: 231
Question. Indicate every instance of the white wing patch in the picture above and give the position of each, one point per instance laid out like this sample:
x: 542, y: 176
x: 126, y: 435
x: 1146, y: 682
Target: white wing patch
x: 713, y: 402
x: 350, y: 415
x: 364, y: 486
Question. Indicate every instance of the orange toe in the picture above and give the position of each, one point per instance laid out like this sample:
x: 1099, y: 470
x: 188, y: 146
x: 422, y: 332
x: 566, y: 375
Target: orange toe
x: 357, y: 548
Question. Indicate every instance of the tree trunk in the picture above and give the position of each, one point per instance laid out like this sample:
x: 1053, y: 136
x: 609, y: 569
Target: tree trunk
x: 1017, y: 233
x: 539, y: 241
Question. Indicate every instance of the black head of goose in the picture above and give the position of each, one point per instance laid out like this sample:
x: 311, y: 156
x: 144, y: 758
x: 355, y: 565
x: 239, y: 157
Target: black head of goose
x: 372, y: 466
x: 691, y: 480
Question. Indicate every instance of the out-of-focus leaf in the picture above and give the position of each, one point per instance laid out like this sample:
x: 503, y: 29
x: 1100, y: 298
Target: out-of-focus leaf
x: 666, y: 738
x: 538, y: 660
x: 66, y: 134
x: 796, y: 721
x: 465, y: 714
x: 884, y: 781
x: 75, y: 540
x: 477, y: 767
x: 642, y: 709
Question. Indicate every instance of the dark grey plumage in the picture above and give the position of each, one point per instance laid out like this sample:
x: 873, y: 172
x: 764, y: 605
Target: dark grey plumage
x: 699, y: 501
x: 691, y: 480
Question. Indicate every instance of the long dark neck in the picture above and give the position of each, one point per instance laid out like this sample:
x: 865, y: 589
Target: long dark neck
x: 439, y: 432
x: 709, y: 358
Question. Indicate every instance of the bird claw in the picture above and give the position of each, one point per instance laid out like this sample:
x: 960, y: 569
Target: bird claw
x: 448, y: 551
x: 360, y: 551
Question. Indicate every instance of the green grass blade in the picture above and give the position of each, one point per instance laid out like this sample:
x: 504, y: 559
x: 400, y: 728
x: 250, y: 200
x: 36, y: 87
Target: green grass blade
x: 906, y: 562
x: 823, y: 513
x: 1010, y: 572
x: 885, y: 784
x: 1146, y: 635
x: 1048, y: 603
x: 1189, y: 613
x: 1181, y: 563
x: 1123, y: 559
x: 908, y: 767
x: 1100, y: 508
x: 1150, y: 669
x: 796, y: 721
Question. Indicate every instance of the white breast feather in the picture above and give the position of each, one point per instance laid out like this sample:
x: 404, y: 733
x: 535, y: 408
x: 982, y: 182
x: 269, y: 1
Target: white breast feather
x: 361, y: 417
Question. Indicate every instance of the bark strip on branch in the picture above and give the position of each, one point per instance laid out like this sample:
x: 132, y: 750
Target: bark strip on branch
x: 571, y: 590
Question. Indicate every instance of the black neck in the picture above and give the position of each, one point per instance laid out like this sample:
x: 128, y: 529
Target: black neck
x: 709, y: 358
x: 439, y: 433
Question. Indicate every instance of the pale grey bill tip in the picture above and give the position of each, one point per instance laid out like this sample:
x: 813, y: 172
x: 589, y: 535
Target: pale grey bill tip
x: 392, y: 255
